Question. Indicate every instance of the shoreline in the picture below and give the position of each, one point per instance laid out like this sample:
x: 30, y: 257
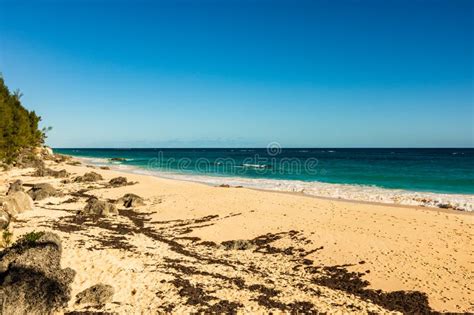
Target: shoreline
x: 360, y: 193
x: 283, y: 243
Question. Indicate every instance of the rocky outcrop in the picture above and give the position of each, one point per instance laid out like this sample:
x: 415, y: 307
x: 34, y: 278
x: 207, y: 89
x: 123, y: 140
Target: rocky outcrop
x: 43, y: 153
x: 130, y: 201
x: 16, y: 202
x: 42, y: 191
x: 31, y: 278
x: 89, y: 177
x: 44, y: 171
x: 33, y: 157
x: 28, y: 158
x: 98, y: 294
x: 47, y: 151
x: 15, y: 186
x: 118, y: 181
x: 98, y: 207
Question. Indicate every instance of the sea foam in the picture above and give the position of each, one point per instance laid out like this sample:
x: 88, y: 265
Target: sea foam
x: 318, y: 189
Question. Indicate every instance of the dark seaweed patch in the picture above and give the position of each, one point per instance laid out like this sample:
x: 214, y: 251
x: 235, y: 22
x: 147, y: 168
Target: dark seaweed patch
x: 335, y: 277
x: 194, y: 294
x: 222, y: 307
x: 407, y: 302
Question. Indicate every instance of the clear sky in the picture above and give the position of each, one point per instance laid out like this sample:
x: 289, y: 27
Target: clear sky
x: 243, y: 73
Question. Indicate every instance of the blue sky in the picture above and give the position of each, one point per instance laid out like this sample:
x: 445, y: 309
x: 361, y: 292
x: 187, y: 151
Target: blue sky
x: 244, y: 73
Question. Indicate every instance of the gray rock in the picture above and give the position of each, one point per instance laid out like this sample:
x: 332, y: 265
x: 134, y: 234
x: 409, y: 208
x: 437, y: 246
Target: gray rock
x: 237, y: 245
x: 42, y: 191
x: 118, y: 159
x: 32, y: 281
x: 60, y: 174
x: 118, y: 181
x: 95, y: 206
x: 41, y: 171
x: 44, y: 171
x: 15, y: 186
x: 16, y: 202
x: 131, y: 201
x: 89, y: 177
x: 32, y: 243
x: 445, y: 206
x: 98, y: 294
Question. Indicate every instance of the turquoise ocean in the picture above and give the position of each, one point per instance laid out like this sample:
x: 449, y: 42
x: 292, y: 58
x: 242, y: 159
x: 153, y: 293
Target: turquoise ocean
x: 434, y: 171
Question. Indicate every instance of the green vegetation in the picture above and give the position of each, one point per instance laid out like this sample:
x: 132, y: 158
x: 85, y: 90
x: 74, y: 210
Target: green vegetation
x: 30, y: 238
x: 6, y: 238
x: 25, y: 241
x: 18, y: 127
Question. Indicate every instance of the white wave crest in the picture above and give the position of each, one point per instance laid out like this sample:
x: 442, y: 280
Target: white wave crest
x: 318, y: 189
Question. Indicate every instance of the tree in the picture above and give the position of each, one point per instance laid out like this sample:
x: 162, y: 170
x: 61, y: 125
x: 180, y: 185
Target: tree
x: 19, y: 128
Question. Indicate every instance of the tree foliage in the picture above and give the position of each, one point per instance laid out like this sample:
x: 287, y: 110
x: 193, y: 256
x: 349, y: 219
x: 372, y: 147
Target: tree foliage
x: 19, y: 128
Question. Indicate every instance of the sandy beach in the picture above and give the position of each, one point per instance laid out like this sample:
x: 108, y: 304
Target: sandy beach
x: 193, y: 247
x: 236, y: 157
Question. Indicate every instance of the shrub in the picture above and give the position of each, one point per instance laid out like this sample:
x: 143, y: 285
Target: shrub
x: 6, y: 238
x: 18, y: 126
x: 30, y: 238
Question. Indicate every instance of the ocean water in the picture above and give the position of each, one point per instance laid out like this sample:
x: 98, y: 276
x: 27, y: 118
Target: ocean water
x: 445, y: 175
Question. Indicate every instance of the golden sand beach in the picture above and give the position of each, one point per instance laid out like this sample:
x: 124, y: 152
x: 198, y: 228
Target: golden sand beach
x: 192, y: 247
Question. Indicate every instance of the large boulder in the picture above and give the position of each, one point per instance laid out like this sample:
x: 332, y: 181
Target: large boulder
x: 98, y: 207
x: 16, y: 202
x: 118, y: 181
x: 42, y: 191
x: 15, y: 186
x: 31, y: 278
x: 89, y: 177
x: 96, y: 295
x: 130, y: 201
